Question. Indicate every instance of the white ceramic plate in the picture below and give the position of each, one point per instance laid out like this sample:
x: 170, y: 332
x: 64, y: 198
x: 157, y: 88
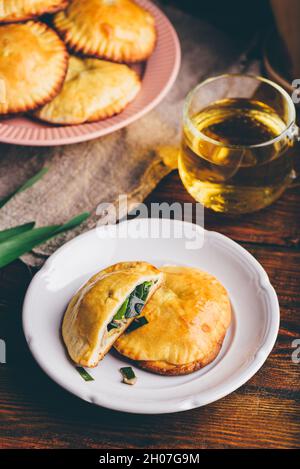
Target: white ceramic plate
x: 248, y: 342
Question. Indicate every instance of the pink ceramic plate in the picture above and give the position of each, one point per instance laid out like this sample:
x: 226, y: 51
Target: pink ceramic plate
x: 158, y: 75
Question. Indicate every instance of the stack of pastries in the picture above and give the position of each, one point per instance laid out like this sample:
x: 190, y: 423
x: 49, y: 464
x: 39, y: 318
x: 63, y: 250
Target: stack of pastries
x: 71, y: 65
x: 186, y: 315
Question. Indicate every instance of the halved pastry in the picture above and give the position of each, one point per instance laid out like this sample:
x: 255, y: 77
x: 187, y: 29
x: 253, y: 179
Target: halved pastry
x: 187, y: 321
x: 20, y: 10
x: 104, y: 307
x: 118, y: 30
x: 93, y: 90
x: 33, y: 65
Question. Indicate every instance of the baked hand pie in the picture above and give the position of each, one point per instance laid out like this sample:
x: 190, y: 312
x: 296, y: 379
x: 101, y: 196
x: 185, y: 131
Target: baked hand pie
x: 118, y: 30
x: 20, y: 10
x: 94, y: 89
x: 104, y: 307
x: 33, y: 65
x: 187, y: 321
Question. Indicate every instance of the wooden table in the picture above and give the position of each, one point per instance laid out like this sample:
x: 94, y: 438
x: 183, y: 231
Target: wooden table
x: 265, y: 412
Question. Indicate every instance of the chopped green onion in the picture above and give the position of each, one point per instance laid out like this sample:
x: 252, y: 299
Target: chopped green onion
x: 134, y: 307
x: 146, y: 288
x: 84, y: 374
x: 72, y: 223
x: 136, y: 324
x: 128, y: 375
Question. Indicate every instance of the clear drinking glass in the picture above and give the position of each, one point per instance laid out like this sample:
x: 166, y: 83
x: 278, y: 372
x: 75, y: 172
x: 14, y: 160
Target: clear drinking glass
x: 237, y: 130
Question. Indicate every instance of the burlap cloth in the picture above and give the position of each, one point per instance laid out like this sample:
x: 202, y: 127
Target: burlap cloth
x: 131, y: 161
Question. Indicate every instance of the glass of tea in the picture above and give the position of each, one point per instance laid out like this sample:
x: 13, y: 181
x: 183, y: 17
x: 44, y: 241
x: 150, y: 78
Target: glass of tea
x: 237, y: 130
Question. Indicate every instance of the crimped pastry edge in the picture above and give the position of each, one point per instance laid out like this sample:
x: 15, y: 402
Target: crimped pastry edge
x: 110, y: 111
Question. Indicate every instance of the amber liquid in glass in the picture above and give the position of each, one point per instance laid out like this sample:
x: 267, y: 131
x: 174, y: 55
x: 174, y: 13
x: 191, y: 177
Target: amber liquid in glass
x: 235, y: 175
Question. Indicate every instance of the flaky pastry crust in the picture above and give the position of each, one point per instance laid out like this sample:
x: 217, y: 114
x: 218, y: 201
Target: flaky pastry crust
x: 33, y: 65
x: 118, y: 30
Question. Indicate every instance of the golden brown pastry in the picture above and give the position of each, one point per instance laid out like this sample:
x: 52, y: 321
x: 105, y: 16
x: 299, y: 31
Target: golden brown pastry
x: 117, y: 30
x: 20, y: 10
x: 33, y: 65
x: 104, y: 307
x: 93, y: 90
x: 187, y: 321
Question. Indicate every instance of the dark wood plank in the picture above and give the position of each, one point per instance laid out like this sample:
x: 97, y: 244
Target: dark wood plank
x: 266, y: 421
